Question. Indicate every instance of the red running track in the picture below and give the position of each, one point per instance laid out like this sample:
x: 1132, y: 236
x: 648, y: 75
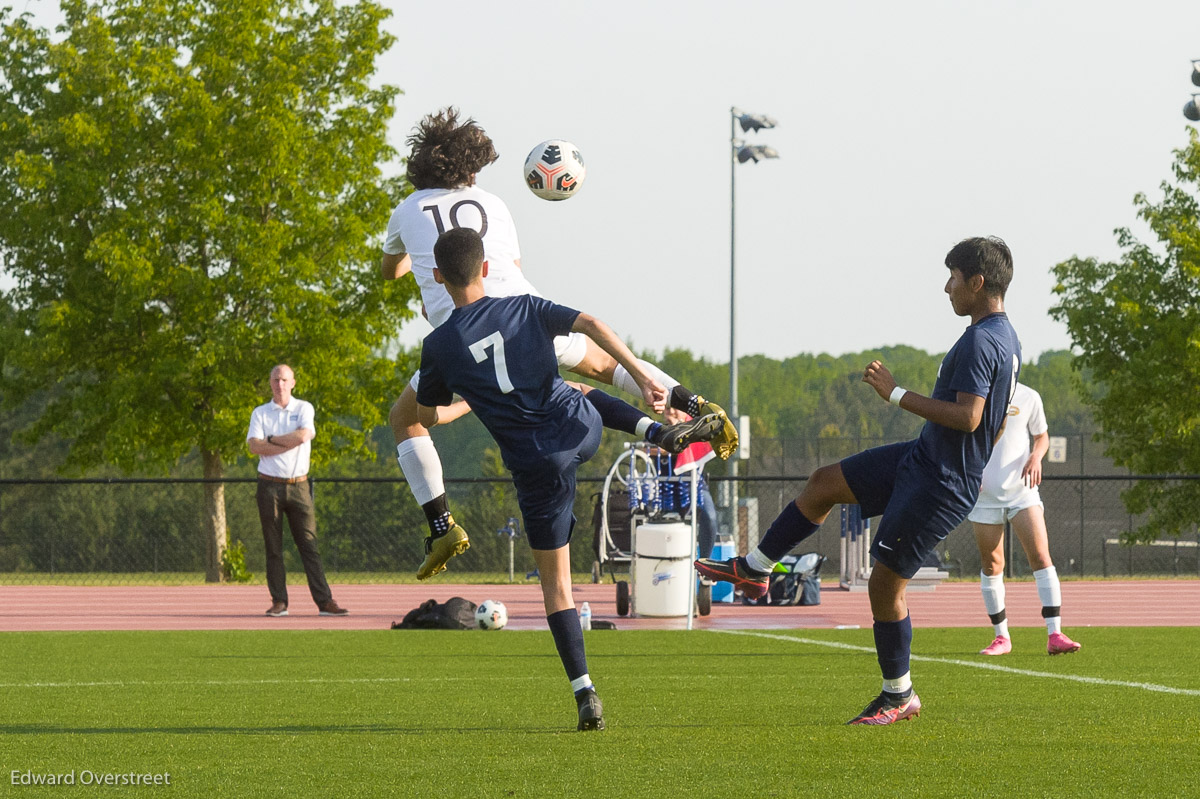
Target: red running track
x: 1122, y: 603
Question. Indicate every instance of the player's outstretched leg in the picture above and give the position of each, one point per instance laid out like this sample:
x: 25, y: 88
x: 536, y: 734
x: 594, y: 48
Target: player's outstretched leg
x: 750, y: 574
x: 422, y: 469
x: 590, y: 361
x: 617, y: 414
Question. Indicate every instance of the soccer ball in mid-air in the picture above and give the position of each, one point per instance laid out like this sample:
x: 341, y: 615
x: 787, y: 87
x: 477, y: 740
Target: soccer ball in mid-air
x: 554, y: 170
x: 491, y: 615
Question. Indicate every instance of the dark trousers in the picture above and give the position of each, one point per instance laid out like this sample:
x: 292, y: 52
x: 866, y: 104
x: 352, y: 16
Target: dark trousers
x: 275, y: 500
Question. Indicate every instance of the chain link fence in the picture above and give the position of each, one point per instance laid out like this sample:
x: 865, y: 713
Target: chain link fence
x: 1081, y: 491
x: 121, y: 531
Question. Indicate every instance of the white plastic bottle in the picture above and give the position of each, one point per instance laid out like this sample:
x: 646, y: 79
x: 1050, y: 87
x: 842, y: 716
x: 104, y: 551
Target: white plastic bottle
x: 585, y: 616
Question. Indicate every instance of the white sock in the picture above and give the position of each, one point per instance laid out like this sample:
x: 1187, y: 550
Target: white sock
x: 899, y: 685
x: 1050, y: 593
x: 642, y: 426
x: 759, y: 562
x: 992, y: 588
x: 580, y: 683
x: 624, y: 381
x: 422, y: 468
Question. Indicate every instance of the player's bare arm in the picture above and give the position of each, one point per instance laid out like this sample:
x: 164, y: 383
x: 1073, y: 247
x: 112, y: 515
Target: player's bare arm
x: 964, y: 414
x: 1031, y: 474
x: 394, y: 267
x: 652, y: 391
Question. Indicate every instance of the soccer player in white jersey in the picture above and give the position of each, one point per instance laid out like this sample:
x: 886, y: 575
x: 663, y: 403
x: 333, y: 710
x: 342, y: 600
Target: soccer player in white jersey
x: 1010, y: 493
x: 446, y: 154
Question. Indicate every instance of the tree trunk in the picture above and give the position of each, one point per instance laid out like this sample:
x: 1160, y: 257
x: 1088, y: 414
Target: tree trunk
x: 214, y: 518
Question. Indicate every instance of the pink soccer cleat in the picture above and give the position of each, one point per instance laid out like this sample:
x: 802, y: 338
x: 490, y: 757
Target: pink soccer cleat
x: 1000, y: 646
x: 1059, y: 644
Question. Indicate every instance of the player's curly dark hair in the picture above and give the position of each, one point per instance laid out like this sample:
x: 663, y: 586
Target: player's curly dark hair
x: 445, y: 152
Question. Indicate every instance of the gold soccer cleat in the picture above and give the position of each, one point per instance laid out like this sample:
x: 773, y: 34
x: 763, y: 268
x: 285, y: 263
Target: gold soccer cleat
x: 441, y: 549
x: 725, y: 442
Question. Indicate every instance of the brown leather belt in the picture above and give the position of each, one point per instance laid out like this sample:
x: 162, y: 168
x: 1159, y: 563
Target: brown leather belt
x: 289, y: 480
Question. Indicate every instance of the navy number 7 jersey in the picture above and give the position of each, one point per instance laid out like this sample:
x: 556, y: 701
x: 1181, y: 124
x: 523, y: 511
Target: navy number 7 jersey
x: 498, y: 354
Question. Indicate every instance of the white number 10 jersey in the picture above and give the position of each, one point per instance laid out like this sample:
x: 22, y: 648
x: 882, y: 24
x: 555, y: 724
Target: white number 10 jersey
x: 426, y: 214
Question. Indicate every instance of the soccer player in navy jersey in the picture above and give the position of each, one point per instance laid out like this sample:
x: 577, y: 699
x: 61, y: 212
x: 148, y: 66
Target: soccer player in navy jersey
x: 924, y: 488
x: 497, y: 353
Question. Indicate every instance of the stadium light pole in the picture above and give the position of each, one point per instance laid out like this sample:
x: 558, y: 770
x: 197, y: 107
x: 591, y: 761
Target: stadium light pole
x: 1192, y: 109
x: 739, y: 153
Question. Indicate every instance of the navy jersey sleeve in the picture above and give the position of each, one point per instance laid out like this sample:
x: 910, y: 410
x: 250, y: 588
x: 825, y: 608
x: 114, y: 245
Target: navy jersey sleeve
x: 974, y: 364
x: 431, y: 387
x: 558, y: 319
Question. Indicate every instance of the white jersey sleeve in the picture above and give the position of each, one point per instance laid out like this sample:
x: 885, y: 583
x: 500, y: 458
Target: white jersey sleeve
x: 1036, y: 424
x: 392, y: 243
x: 424, y: 215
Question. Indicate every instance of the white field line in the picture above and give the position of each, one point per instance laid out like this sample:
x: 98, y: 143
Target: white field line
x: 279, y: 681
x: 1145, y: 686
x: 423, y: 680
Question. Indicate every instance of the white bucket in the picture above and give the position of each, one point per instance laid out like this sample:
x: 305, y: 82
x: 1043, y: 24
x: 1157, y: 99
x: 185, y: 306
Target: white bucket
x: 662, y: 569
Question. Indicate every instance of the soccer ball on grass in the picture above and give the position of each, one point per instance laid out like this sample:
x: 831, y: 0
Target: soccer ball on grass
x: 554, y: 170
x: 491, y: 615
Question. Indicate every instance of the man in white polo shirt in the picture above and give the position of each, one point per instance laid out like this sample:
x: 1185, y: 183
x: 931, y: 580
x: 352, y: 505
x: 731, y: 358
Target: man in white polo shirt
x: 280, y: 432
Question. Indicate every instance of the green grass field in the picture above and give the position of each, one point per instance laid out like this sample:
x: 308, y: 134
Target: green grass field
x: 474, y: 714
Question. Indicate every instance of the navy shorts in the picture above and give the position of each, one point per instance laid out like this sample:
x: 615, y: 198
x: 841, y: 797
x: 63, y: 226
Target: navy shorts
x: 546, y: 492
x: 919, y: 505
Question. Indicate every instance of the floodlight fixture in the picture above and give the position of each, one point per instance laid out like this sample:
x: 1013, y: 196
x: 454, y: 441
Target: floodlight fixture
x: 1192, y: 109
x: 754, y: 152
x: 755, y: 122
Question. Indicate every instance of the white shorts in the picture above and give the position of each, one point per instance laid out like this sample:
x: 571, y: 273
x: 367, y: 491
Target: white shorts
x: 999, y: 514
x: 569, y: 349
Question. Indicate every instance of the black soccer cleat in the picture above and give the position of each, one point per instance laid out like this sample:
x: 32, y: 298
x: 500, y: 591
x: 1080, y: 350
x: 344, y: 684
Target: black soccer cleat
x: 591, y: 712
x: 675, y: 438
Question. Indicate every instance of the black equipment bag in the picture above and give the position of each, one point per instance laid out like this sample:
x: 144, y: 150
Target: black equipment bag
x: 799, y: 585
x: 455, y: 614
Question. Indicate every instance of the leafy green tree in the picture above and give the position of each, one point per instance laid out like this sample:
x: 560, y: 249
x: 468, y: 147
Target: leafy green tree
x: 1054, y: 376
x: 193, y: 194
x: 1136, y: 325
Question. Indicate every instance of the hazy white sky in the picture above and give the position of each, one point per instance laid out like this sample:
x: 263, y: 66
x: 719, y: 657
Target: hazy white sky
x: 903, y: 127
